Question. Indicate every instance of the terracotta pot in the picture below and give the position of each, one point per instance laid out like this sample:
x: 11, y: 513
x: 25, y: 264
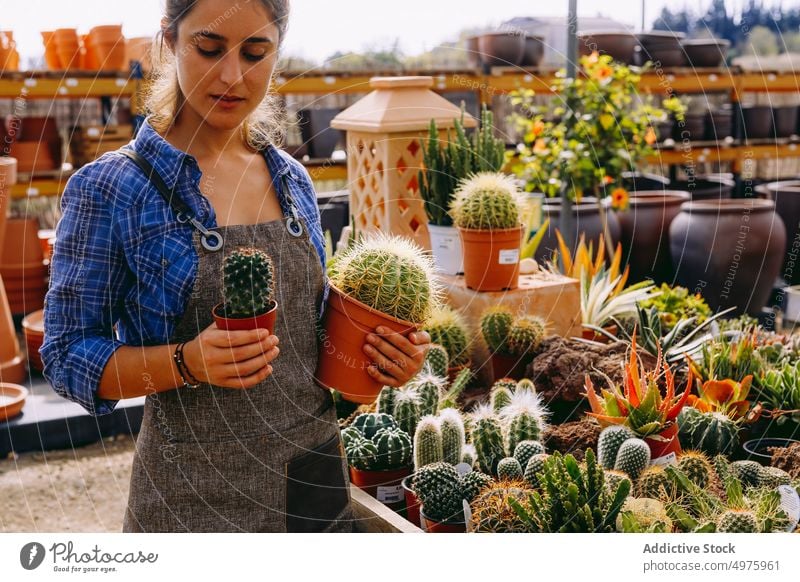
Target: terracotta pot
x: 785, y: 121
x: 664, y: 446
x: 385, y: 486
x: 138, y: 49
x: 67, y: 47
x: 106, y: 33
x: 509, y: 366
x: 585, y: 220
x: 265, y: 320
x: 342, y: 362
x: 12, y: 399
x: 431, y: 526
x: 33, y: 327
x: 412, y: 501
x: 590, y: 334
x: 38, y: 129
x: 705, y: 52
x: 757, y: 122
x: 109, y: 56
x: 705, y: 188
x: 533, y: 51
x: 501, y: 49
x: 22, y: 243
x: 12, y: 362
x: 729, y: 250
x: 786, y: 196
x: 8, y: 177
x: 618, y: 44
x: 33, y: 156
x: 473, y: 52
x: 50, y: 52
x: 491, y: 258
x: 644, y: 230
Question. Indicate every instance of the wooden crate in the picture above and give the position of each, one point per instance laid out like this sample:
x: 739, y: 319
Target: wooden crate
x: 90, y: 142
x: 372, y: 516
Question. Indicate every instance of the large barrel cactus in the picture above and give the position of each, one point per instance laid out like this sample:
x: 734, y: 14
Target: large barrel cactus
x: 247, y: 278
x: 711, y: 432
x: 486, y: 201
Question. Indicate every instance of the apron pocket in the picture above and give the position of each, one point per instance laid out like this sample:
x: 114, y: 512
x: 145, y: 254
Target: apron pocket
x: 316, y: 488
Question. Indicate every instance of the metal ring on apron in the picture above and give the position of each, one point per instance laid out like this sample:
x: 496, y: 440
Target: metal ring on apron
x: 210, y: 239
x: 294, y: 226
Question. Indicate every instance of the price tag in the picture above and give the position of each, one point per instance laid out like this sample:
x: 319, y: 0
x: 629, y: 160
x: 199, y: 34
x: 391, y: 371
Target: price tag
x: 93, y: 132
x: 446, y: 243
x: 30, y: 82
x: 121, y: 82
x: 32, y: 191
x: 790, y: 503
x: 670, y: 459
x: 71, y: 82
x: 509, y: 256
x: 390, y: 494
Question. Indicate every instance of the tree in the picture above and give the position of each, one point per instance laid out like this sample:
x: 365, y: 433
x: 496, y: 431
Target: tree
x: 679, y: 21
x: 761, y: 42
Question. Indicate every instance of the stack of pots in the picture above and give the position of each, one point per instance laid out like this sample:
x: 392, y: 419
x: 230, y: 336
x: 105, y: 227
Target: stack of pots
x: 719, y: 123
x: 67, y: 47
x: 102, y: 49
x: 505, y: 49
x: 22, y: 266
x: 107, y: 47
x: 661, y: 47
x: 586, y: 221
x: 9, y: 57
x: 36, y: 143
x: 12, y: 362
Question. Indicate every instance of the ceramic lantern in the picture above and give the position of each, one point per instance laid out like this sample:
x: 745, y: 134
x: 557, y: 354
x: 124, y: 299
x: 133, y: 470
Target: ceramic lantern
x: 385, y: 133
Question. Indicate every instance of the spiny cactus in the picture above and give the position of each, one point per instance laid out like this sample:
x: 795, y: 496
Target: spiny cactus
x: 394, y: 448
x: 429, y: 388
x: 487, y: 436
x: 526, y: 335
x: 386, y: 400
x: 526, y: 384
x: 247, y: 277
x: 509, y: 469
x: 534, y: 469
x: 508, y: 383
x: 438, y: 487
x: 390, y: 274
x: 696, y: 466
x: 737, y: 521
x: 747, y: 472
x: 450, y: 398
x: 609, y: 442
x: 492, y: 513
x: 711, y: 432
x: 526, y: 449
x: 451, y: 426
x: 472, y: 483
x: 369, y: 423
x: 633, y: 457
x: 499, y: 398
x: 773, y: 477
x: 614, y: 478
x: 643, y: 516
x: 437, y: 361
x: 427, y: 442
x: 362, y: 454
x: 468, y: 455
x: 655, y: 483
x: 447, y: 328
x: 350, y: 434
x: 486, y: 201
x: 495, y: 323
x: 407, y: 410
x: 523, y: 419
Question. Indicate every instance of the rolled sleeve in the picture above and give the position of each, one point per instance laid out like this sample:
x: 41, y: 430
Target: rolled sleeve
x: 87, y: 283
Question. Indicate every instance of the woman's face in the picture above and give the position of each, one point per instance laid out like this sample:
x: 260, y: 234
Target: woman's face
x: 225, y: 57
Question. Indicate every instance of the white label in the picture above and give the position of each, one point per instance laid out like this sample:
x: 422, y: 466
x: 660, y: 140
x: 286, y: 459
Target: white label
x: 30, y: 82
x: 121, y: 82
x: 790, y: 503
x: 463, y: 468
x: 509, y: 256
x: 390, y: 494
x: 446, y: 243
x: 93, y: 132
x: 467, y: 514
x: 71, y: 82
x: 32, y: 191
x: 669, y: 459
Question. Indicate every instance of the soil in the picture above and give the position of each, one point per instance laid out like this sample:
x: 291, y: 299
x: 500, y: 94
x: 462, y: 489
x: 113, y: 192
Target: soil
x: 75, y: 490
x: 572, y: 437
x: 787, y: 458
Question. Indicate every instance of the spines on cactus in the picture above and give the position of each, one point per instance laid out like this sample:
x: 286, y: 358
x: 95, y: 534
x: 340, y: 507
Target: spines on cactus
x: 407, y: 410
x: 655, y: 483
x: 509, y: 383
x: 711, y: 432
x: 633, y: 457
x: 429, y: 388
x: 451, y: 426
x: 487, y: 436
x: 247, y: 276
x: 748, y: 472
x: 369, y: 423
x: 613, y: 479
x: 523, y: 419
x: 351, y: 434
x: 427, y: 443
x: 696, y: 466
x: 499, y: 398
x: 492, y: 512
x: 737, y: 521
x: 486, y: 201
x: 526, y: 384
x: 447, y: 328
x: 438, y: 487
x: 495, y: 323
x: 773, y: 477
x: 534, y: 469
x: 394, y: 448
x: 437, y: 361
x: 526, y: 335
x: 468, y: 455
x: 362, y: 454
x: 472, y: 483
x: 609, y: 442
x: 386, y: 400
x: 509, y: 469
x: 526, y: 449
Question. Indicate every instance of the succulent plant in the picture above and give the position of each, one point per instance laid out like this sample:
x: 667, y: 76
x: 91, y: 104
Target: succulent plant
x: 447, y: 328
x: 526, y: 449
x: 614, y: 478
x: 394, y: 448
x: 451, y: 426
x: 499, y: 397
x: 468, y: 455
x: 487, y: 436
x: 509, y: 469
x: 362, y: 454
x: 773, y: 477
x: 472, y: 483
x: 429, y: 388
x: 525, y: 335
x: 369, y: 423
x: 438, y: 487
x: 437, y: 361
x: 523, y: 419
x: 427, y: 442
x: 386, y: 400
x: 486, y: 201
x: 247, y: 277
x: 737, y: 521
x: 655, y: 483
x: 390, y: 274
x: 407, y: 410
x: 534, y: 469
x: 526, y: 384
x: 696, y: 466
x: 713, y: 433
x: 643, y: 516
x: 632, y: 458
x: 609, y: 442
x: 492, y: 513
x: 495, y: 324
x: 351, y: 434
x: 748, y: 472
x: 508, y: 383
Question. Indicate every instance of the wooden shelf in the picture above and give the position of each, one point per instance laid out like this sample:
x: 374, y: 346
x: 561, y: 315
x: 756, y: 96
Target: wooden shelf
x: 54, y: 85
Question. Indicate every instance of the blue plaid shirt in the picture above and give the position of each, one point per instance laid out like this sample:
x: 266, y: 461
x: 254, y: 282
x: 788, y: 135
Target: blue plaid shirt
x: 122, y: 258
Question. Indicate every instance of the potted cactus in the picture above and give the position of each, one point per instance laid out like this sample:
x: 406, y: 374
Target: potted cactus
x: 381, y: 280
x: 486, y: 210
x: 447, y: 329
x: 247, y: 287
x: 511, y: 342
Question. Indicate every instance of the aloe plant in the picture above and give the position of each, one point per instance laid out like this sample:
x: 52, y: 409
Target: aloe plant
x: 601, y: 300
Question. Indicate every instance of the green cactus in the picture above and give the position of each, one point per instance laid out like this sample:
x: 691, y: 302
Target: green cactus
x: 438, y: 487
x: 492, y: 513
x: 362, y: 454
x: 386, y: 400
x: 748, y: 472
x: 472, y: 483
x: 369, y: 423
x: 509, y: 469
x: 614, y: 478
x: 696, y: 467
x: 711, y: 432
x: 643, y: 516
x: 459, y: 384
x: 737, y: 521
x: 447, y: 328
x: 534, y: 469
x: 486, y: 201
x: 632, y: 458
x: 451, y: 426
x: 508, y: 383
x: 394, y: 448
x: 437, y: 361
x: 351, y: 434
x: 390, y: 274
x: 495, y: 323
x: 429, y: 389
x: 487, y: 436
x: 655, y: 483
x: 247, y: 277
x: 526, y: 335
x: 523, y: 419
x: 773, y: 477
x: 468, y: 455
x: 609, y: 442
x: 526, y: 384
x: 407, y: 410
x: 427, y: 443
x: 526, y: 449
x: 499, y: 398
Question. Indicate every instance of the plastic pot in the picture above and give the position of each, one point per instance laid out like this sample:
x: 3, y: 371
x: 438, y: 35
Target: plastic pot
x: 446, y: 248
x: 265, y: 320
x: 432, y: 526
x: 785, y: 120
x: 342, y: 362
x: 491, y: 258
x: 757, y: 449
x: 719, y: 124
x: 385, y: 486
x: 664, y: 446
x: 412, y: 501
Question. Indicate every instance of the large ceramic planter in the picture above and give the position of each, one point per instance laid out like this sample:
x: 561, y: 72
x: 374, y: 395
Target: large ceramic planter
x: 412, y: 501
x: 620, y: 45
x: 785, y: 122
x: 644, y: 228
x: 533, y: 52
x: 786, y: 195
x: 446, y: 248
x: 635, y: 181
x: 491, y: 258
x: 501, y: 49
x: 432, y: 526
x: 664, y: 446
x: 701, y: 52
x: 586, y: 220
x: 705, y: 188
x: 342, y: 362
x: 730, y: 251
x: 719, y: 124
x: 264, y: 320
x: 385, y: 486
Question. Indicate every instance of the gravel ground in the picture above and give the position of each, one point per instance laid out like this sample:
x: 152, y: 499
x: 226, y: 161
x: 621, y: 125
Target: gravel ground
x: 80, y: 490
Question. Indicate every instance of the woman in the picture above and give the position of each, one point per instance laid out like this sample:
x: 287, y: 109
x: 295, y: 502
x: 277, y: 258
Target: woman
x: 236, y: 436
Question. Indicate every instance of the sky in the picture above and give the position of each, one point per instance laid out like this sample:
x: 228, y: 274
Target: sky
x: 319, y: 28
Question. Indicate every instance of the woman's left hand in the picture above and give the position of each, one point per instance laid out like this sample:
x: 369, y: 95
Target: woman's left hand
x: 396, y: 358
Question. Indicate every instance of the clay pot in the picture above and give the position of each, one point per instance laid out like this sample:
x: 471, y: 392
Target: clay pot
x: 21, y: 246
x: 109, y: 56
x: 265, y: 320
x: 385, y: 486
x: 412, y: 501
x: 585, y: 220
x: 533, y: 51
x: 51, y: 58
x: 660, y: 39
x: 785, y: 121
x: 645, y: 233
x: 67, y: 47
x: 590, y: 334
x: 10, y: 127
x: 706, y: 188
x: 431, y: 526
x: 32, y: 156
x: 38, y: 129
x: 509, y: 366
x: 757, y: 122
x: 8, y: 177
x: 501, y: 49
x: 730, y: 251
x: 342, y: 362
x: 491, y: 258
x: 620, y: 45
x: 106, y: 33
x: 665, y: 445
x: 705, y: 52
x: 138, y: 49
x: 637, y: 181
x: 662, y: 48
x: 33, y: 327
x: 12, y: 399
x: 786, y: 196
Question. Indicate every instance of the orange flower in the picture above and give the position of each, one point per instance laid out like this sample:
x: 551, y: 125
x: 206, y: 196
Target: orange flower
x: 593, y: 58
x: 725, y: 396
x: 603, y: 72
x: 619, y: 199
x: 650, y: 136
x: 538, y: 127
x: 539, y: 146
x: 607, y: 180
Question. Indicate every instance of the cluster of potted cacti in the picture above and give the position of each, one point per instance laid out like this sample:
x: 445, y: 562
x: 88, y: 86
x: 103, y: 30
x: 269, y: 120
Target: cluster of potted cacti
x: 511, y: 341
x: 448, y: 329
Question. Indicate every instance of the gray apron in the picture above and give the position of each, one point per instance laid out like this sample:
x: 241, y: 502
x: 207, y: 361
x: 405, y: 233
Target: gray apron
x: 264, y: 459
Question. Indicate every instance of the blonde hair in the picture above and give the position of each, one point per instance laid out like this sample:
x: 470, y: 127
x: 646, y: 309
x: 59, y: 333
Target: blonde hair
x: 264, y: 126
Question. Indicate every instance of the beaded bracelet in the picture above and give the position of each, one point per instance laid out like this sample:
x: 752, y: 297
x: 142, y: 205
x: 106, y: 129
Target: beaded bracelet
x: 183, y: 369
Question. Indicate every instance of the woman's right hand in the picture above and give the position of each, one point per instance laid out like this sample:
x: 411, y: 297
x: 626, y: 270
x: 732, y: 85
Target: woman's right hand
x: 231, y: 359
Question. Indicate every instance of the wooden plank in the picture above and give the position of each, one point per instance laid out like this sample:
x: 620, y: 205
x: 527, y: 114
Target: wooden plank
x: 372, y: 516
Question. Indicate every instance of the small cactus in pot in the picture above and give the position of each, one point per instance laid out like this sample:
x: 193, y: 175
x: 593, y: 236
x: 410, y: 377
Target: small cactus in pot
x: 248, y: 283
